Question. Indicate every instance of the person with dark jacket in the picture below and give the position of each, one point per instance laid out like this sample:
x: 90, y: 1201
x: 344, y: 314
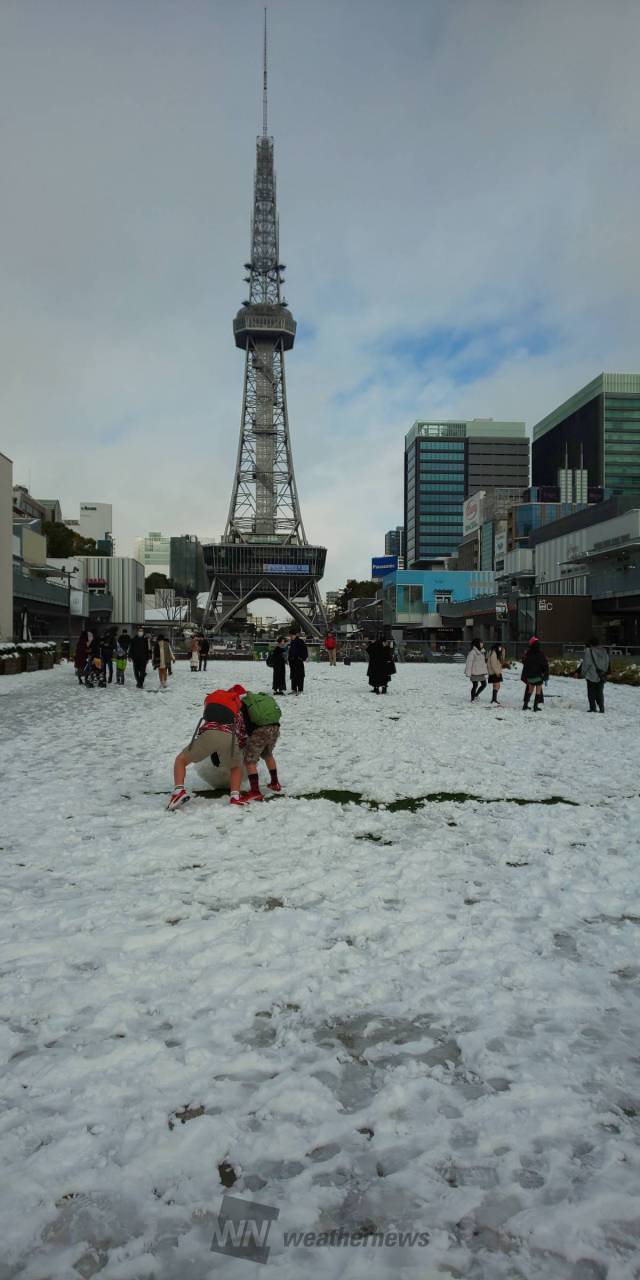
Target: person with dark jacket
x: 106, y: 653
x: 139, y: 655
x: 298, y: 654
x: 81, y: 653
x: 278, y: 662
x: 378, y: 670
x: 594, y: 668
x: 203, y: 653
x: 124, y: 640
x: 535, y: 670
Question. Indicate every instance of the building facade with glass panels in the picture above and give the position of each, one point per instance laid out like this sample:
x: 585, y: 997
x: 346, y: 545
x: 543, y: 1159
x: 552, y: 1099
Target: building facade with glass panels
x: 442, y: 461
x: 598, y: 428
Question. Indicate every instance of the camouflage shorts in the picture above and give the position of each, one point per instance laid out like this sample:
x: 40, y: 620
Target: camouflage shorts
x: 261, y: 743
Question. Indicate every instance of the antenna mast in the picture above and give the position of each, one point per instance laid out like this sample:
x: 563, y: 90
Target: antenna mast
x: 264, y: 80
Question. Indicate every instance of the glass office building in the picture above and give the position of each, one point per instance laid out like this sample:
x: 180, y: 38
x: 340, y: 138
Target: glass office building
x: 442, y: 459
x: 598, y: 428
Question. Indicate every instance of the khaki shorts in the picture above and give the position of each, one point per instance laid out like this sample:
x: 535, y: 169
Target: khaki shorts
x: 215, y: 740
x: 261, y: 743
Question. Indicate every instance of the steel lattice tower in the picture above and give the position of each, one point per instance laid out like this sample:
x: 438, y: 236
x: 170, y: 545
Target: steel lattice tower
x: 264, y: 551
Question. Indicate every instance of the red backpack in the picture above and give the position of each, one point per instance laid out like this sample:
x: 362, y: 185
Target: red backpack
x: 222, y: 706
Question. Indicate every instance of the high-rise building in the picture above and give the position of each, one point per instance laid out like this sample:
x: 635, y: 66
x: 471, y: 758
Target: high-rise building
x: 186, y: 564
x: 154, y: 552
x: 444, y: 463
x: 394, y: 542
x: 6, y: 548
x: 597, y: 432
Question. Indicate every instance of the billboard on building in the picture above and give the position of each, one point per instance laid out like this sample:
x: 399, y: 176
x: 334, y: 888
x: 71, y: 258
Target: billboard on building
x: 473, y: 512
x: 381, y: 566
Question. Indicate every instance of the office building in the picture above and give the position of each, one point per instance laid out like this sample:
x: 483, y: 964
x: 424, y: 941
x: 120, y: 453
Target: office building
x: 186, y: 563
x: 394, y: 542
x: 115, y: 583
x: 415, y: 598
x: 154, y: 552
x: 596, y: 431
x: 444, y: 463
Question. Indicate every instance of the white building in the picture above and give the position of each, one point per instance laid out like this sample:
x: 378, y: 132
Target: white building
x: 154, y: 552
x: 123, y: 579
x: 6, y: 548
x: 96, y: 521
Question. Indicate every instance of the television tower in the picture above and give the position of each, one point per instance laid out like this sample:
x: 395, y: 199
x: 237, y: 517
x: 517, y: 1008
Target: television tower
x: 264, y: 552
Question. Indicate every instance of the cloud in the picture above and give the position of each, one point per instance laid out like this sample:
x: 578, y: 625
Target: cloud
x: 458, y: 186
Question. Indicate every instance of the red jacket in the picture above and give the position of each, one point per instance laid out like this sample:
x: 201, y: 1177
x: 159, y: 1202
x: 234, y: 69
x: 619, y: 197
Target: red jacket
x: 330, y: 642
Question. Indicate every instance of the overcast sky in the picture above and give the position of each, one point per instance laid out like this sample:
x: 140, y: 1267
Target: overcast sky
x: 458, y: 186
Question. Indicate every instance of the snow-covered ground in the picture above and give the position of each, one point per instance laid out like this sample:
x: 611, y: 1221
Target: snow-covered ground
x: 378, y: 1016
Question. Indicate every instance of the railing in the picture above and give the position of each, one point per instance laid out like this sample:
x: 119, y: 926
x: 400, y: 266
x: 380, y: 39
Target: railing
x: 620, y: 582
x: 38, y: 588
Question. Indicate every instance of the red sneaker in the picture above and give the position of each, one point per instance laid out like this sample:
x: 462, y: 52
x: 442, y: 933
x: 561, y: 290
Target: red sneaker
x: 243, y: 798
x: 254, y: 795
x: 179, y: 797
x: 274, y: 786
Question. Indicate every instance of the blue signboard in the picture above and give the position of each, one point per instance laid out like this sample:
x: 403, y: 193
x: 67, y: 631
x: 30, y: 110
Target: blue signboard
x: 382, y: 565
x: 285, y: 568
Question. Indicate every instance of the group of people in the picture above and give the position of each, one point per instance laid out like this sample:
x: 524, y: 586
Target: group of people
x: 199, y: 653
x: 96, y: 656
x: 483, y: 668
x: 236, y: 728
x: 292, y: 651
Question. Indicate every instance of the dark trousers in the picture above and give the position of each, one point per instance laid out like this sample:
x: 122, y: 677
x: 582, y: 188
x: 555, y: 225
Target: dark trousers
x: 140, y: 671
x: 279, y: 679
x: 477, y: 686
x: 107, y: 667
x: 595, y: 692
x: 296, y: 668
x: 202, y: 661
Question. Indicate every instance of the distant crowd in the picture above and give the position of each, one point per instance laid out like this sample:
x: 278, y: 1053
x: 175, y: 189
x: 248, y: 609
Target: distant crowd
x: 483, y: 669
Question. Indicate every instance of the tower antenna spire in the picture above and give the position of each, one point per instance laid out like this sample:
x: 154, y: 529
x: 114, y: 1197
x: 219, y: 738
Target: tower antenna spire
x: 264, y: 79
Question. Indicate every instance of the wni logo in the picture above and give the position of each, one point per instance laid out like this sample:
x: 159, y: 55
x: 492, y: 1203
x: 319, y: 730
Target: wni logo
x: 242, y: 1229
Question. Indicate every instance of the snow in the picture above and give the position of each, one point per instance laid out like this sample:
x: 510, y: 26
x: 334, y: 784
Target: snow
x: 397, y: 1015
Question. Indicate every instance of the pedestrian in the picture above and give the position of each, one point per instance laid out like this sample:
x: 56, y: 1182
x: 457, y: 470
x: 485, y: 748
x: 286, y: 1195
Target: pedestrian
x: 389, y: 653
x: 203, y: 653
x: 261, y: 715
x: 495, y: 665
x: 594, y: 668
x: 221, y: 734
x: 139, y: 655
x: 124, y: 640
x: 121, y: 663
x: 535, y: 670
x: 163, y: 656
x: 277, y: 660
x: 195, y: 654
x: 378, y: 668
x: 80, y: 656
x: 331, y: 647
x: 298, y: 654
x: 476, y: 669
x: 106, y: 653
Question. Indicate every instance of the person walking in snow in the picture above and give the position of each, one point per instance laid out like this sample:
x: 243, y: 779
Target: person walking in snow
x: 331, y: 647
x: 475, y: 668
x: 594, y: 668
x: 535, y: 670
x: 139, y: 655
x: 120, y: 658
x: 81, y: 653
x: 221, y: 734
x: 203, y: 653
x: 378, y: 667
x: 495, y: 665
x: 163, y: 656
x: 107, y: 647
x: 298, y: 654
x: 194, y: 662
x: 277, y: 660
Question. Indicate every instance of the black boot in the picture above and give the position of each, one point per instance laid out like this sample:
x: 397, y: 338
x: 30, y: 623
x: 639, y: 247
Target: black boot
x: 525, y: 705
x: 537, y: 702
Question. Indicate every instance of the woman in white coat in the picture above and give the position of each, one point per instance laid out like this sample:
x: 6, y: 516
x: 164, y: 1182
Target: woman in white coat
x: 476, y: 669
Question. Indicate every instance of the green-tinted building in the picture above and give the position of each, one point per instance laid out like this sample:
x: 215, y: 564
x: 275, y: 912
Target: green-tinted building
x: 598, y: 430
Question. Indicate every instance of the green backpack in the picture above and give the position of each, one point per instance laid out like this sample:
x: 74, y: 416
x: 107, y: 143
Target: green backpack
x: 261, y: 709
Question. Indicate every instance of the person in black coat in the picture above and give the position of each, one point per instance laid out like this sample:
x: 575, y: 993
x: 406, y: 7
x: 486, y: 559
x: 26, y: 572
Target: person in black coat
x: 378, y: 672
x: 298, y: 654
x: 203, y: 653
x: 124, y: 640
x: 106, y: 653
x: 278, y: 663
x: 535, y: 670
x: 139, y: 655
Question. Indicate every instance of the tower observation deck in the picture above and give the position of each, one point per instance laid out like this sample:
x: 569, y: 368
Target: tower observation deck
x: 264, y: 552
